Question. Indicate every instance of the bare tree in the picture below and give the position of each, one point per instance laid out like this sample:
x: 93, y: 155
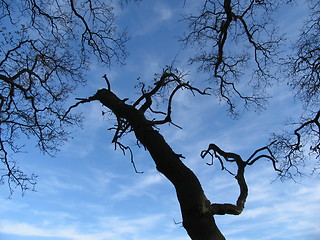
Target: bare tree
x: 222, y: 27
x: 303, y: 67
x: 42, y: 61
x: 197, y: 211
x: 232, y: 37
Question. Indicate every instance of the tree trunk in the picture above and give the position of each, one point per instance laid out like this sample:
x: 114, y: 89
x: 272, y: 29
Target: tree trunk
x: 195, y: 207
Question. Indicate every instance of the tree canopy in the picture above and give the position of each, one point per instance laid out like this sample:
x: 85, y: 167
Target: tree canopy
x: 45, y: 51
x: 239, y: 43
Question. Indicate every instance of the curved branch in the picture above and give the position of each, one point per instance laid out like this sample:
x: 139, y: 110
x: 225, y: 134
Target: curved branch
x: 81, y: 100
x: 124, y: 148
x: 14, y: 175
x: 168, y: 79
x: 292, y: 147
x: 107, y: 81
x: 158, y: 85
x: 315, y: 121
x: 253, y: 158
x: 227, y: 208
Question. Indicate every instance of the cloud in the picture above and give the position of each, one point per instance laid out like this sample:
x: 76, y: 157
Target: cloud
x: 163, y: 11
x: 24, y: 229
x: 54, y: 180
x: 139, y: 186
x: 122, y: 225
x: 160, y: 13
x: 9, y: 205
x: 105, y: 229
x: 255, y: 213
x: 276, y: 211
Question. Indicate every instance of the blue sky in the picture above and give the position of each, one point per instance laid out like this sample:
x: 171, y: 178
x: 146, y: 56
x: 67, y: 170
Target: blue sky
x: 89, y: 191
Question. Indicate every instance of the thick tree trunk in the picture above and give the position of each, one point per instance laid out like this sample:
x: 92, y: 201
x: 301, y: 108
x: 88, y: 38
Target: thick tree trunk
x: 195, y: 207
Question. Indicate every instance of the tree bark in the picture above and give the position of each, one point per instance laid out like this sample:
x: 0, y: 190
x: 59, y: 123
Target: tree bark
x: 195, y: 207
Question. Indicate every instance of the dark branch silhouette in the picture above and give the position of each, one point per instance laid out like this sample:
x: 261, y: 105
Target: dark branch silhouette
x: 42, y: 62
x: 224, y: 25
x: 227, y: 208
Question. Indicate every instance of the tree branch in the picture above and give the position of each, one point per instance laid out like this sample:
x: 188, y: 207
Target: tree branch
x: 171, y: 79
x: 227, y: 208
x: 220, y: 26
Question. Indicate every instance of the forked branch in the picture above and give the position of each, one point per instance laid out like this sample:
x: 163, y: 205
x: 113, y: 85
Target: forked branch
x: 291, y: 147
x: 170, y: 79
x: 227, y: 208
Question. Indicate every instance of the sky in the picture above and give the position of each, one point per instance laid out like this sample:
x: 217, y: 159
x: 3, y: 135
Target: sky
x: 89, y: 191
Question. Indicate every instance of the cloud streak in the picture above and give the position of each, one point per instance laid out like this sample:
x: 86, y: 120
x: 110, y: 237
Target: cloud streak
x: 139, y: 187
x: 114, y: 227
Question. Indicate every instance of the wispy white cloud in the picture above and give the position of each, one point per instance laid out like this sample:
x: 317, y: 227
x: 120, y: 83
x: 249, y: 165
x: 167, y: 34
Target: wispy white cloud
x: 119, y: 225
x: 99, y: 180
x: 105, y: 229
x: 54, y: 181
x: 161, y: 13
x: 283, y: 207
x: 67, y: 232
x: 9, y: 205
x: 50, y: 217
x: 139, y: 186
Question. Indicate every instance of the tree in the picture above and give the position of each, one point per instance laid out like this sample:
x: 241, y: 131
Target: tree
x: 43, y: 59
x: 304, y: 68
x: 197, y: 211
x: 249, y: 25
x: 38, y: 74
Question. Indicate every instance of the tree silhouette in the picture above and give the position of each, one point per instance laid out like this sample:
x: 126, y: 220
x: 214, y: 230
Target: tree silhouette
x: 221, y: 27
x: 303, y: 67
x: 197, y: 211
x: 44, y: 58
